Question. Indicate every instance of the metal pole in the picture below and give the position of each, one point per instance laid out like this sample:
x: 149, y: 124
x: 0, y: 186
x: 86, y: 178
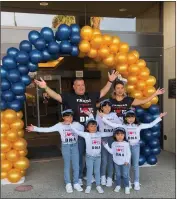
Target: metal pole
x: 60, y: 91
x: 37, y: 104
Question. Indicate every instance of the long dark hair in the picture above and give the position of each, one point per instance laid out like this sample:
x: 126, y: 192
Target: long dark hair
x: 114, y: 86
x: 118, y: 132
x: 131, y: 114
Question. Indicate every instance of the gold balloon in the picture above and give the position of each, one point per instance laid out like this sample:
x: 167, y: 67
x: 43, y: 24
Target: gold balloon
x: 151, y: 81
x: 125, y: 75
x: 148, y: 91
x: 121, y: 58
x: 2, y: 113
x: 103, y: 52
x: 84, y: 46
x: 12, y: 155
x: 3, y: 174
x: 20, y: 133
x: 5, y: 146
x: 130, y: 88
x: 3, y: 156
x: 133, y: 69
x: 96, y: 41
x: 4, y: 127
x: 22, y: 163
x: 115, y: 40
x: 3, y: 136
x: 109, y: 60
x: 107, y: 40
x: 141, y: 63
x: 123, y: 47
x: 132, y: 79
x: 137, y: 94
x: 23, y: 153
x: 82, y: 55
x: 12, y: 135
x: 97, y: 59
x: 86, y: 33
x: 9, y: 116
x: 14, y: 175
x: 18, y: 124
x: 96, y: 31
x: 20, y: 114
x: 114, y: 48
x: 131, y: 58
x: 136, y: 53
x: 146, y: 105
x: 20, y: 144
x: 92, y: 53
x: 144, y: 74
x: 23, y: 172
x: 6, y: 165
x: 140, y: 85
x: 154, y: 100
x: 122, y: 68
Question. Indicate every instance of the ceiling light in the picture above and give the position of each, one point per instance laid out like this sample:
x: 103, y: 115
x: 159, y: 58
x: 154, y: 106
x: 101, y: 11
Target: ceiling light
x: 122, y: 9
x: 44, y: 4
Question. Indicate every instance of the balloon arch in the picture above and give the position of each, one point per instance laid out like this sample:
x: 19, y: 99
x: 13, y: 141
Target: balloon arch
x: 46, y: 46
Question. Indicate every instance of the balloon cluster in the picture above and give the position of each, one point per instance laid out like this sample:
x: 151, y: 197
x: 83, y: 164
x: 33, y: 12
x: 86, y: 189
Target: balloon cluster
x: 149, y: 143
x: 13, y: 146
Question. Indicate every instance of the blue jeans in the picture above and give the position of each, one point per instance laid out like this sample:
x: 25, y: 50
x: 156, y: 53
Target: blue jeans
x: 106, y: 159
x: 122, y: 170
x: 93, y: 163
x: 70, y: 153
x: 135, y: 154
x: 82, y: 148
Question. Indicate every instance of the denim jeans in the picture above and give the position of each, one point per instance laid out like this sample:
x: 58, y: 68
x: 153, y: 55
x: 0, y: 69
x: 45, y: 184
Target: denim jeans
x: 70, y: 153
x: 93, y: 164
x: 135, y: 154
x: 106, y: 159
x: 122, y: 170
x: 82, y: 148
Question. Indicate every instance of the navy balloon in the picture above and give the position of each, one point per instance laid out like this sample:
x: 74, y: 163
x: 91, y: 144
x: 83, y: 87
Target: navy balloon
x: 32, y: 67
x: 156, y: 134
x: 26, y: 79
x: 142, y: 143
x: 18, y: 88
x: 156, y: 151
x: 3, y: 72
x: 146, y: 151
x: 40, y: 44
x: 75, y: 38
x: 9, y: 63
x: 13, y: 75
x: 155, y: 116
x: 63, y: 32
x: 33, y: 36
x: 147, y: 118
x: 154, y: 143
x: 139, y: 111
x: 23, y: 69
x: 142, y: 160
x: 5, y: 84
x: 3, y: 105
x: 74, y: 51
x: 75, y: 28
x: 47, y: 34
x: 154, y: 109
x: 65, y: 47
x: 46, y: 55
x: 152, y: 160
x: 8, y: 96
x: 35, y: 56
x: 156, y: 127
x: 16, y: 105
x: 55, y: 56
x: 147, y: 135
x: 21, y: 98
x: 54, y: 47
x: 22, y: 57
x: 12, y: 52
x: 26, y: 46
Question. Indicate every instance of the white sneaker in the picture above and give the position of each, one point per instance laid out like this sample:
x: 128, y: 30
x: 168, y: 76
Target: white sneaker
x: 130, y: 185
x: 78, y: 187
x: 80, y: 182
x: 99, y: 189
x: 85, y: 177
x: 136, y: 186
x: 88, y: 189
x: 103, y: 180
x: 117, y: 189
x: 109, y: 182
x: 127, y: 190
x: 69, y: 188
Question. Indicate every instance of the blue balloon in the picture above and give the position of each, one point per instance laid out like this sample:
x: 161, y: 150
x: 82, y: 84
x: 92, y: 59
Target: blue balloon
x: 54, y: 47
x: 9, y: 63
x: 75, y: 38
x: 8, y: 96
x: 40, y: 44
x: 12, y: 52
x: 156, y: 134
x: 13, y: 75
x: 156, y: 151
x: 16, y: 105
x: 47, y: 34
x: 139, y: 111
x: 26, y: 79
x: 152, y: 160
x: 147, y: 135
x: 3, y: 72
x: 22, y: 57
x: 147, y: 118
x: 142, y: 143
x: 146, y: 151
x: 46, y: 55
x: 63, y: 32
x: 155, y: 116
x: 21, y: 98
x: 32, y: 67
x: 55, y: 56
x: 65, y: 47
x: 23, y: 69
x: 156, y: 127
x: 5, y: 84
x: 18, y: 88
x: 75, y: 28
x: 3, y: 105
x: 74, y: 51
x: 36, y: 56
x: 33, y: 36
x: 142, y: 160
x: 154, y: 143
x: 154, y: 109
x: 26, y: 46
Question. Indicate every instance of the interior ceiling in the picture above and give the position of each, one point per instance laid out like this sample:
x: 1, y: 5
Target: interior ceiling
x: 78, y: 8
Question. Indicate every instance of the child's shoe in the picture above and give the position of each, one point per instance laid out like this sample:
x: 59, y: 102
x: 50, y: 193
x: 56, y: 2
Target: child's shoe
x: 136, y: 186
x: 69, y: 188
x: 127, y: 190
x: 109, y: 182
x: 99, y: 189
x: 103, y: 180
x: 88, y: 189
x: 78, y: 187
x: 117, y: 189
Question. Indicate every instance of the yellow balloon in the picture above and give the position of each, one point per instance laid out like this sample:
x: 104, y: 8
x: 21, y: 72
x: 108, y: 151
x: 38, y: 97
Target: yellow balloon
x: 96, y: 31
x: 18, y: 124
x: 148, y: 91
x: 23, y: 172
x: 20, y: 144
x: 3, y: 174
x: 141, y: 63
x: 96, y: 41
x: 84, y: 46
x: 154, y: 100
x: 20, y: 133
x: 6, y: 165
x: 3, y: 136
x: 132, y: 79
x: 12, y: 155
x: 12, y: 135
x: 22, y: 163
x: 137, y: 94
x: 2, y: 113
x: 92, y: 53
x: 125, y: 75
x: 136, y: 53
x: 4, y: 127
x: 14, y: 175
x: 5, y: 146
x: 123, y: 47
x: 23, y: 153
x: 141, y: 84
x: 103, y: 52
x: 115, y: 40
x: 133, y: 69
x: 121, y: 58
x: 114, y: 48
x: 9, y: 116
x: 146, y: 105
x: 131, y: 58
x: 86, y: 33
x: 97, y: 59
x: 3, y: 156
x: 107, y: 40
x: 122, y: 68
x: 130, y: 88
x: 109, y: 60
x: 81, y: 54
x: 144, y: 74
x: 151, y: 81
x: 20, y: 114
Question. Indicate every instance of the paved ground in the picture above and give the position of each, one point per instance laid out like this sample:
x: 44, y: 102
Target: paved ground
x: 47, y: 181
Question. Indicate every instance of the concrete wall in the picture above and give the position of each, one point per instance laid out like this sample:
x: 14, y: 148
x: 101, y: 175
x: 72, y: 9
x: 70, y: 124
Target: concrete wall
x: 169, y: 73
